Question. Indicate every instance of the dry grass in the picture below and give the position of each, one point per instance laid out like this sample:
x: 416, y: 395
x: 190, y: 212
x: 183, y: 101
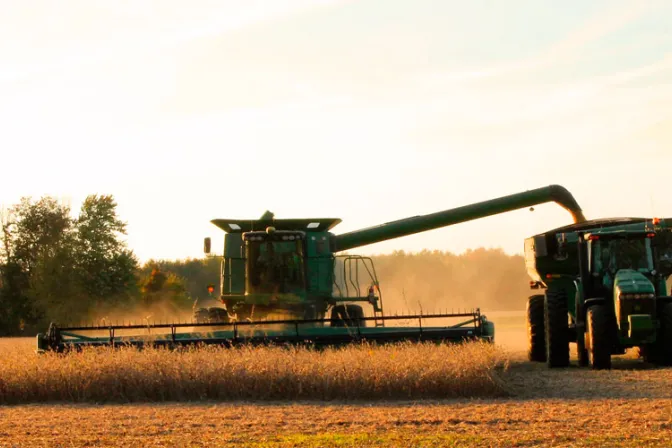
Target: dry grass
x: 402, y: 371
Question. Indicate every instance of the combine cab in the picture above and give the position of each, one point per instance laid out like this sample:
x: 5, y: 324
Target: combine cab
x: 289, y: 281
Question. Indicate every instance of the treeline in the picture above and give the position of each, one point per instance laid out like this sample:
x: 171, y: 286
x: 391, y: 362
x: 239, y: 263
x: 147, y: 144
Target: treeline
x: 58, y: 268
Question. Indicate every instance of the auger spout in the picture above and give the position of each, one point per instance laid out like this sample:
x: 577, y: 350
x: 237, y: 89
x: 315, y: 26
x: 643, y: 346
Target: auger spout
x: 417, y: 224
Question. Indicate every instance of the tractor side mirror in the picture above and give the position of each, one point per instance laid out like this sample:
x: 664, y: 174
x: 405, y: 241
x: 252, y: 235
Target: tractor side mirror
x: 206, y: 245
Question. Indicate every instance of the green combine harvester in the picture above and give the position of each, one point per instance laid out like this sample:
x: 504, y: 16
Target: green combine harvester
x: 289, y: 281
x: 605, y: 291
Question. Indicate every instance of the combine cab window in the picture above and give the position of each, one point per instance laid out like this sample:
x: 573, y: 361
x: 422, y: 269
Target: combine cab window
x: 275, y: 266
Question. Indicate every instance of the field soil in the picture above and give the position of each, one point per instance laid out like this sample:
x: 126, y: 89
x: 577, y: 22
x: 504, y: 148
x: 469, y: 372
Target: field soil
x: 630, y: 405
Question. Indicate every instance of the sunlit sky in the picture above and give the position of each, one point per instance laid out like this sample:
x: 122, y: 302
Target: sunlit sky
x: 365, y: 110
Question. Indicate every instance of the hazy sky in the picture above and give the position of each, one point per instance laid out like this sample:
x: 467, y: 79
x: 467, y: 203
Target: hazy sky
x: 364, y: 110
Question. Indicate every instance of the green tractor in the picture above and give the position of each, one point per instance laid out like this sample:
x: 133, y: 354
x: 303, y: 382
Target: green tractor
x: 291, y: 281
x: 605, y: 285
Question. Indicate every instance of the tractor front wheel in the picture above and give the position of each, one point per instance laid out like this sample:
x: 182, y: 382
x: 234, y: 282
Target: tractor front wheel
x: 556, y: 329
x: 662, y: 349
x: 535, y: 329
x: 599, y: 340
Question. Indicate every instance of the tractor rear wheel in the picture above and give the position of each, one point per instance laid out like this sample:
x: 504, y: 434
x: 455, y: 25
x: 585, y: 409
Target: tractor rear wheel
x: 535, y: 329
x: 599, y: 340
x: 662, y: 349
x: 556, y: 329
x: 347, y: 316
x: 581, y: 352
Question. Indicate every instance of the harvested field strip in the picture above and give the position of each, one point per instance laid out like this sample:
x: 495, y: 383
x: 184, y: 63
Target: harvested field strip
x: 401, y: 371
x: 457, y: 423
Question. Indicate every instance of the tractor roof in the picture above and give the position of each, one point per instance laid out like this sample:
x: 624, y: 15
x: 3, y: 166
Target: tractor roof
x: 601, y: 224
x: 618, y: 232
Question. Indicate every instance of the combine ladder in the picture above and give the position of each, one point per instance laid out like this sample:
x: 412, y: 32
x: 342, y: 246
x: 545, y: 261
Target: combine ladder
x: 378, y: 315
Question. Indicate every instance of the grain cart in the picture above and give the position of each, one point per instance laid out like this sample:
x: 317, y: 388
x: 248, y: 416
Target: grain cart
x: 279, y: 284
x: 605, y: 291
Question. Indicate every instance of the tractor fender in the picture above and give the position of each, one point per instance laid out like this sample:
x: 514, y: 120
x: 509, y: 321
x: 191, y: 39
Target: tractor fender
x: 593, y: 301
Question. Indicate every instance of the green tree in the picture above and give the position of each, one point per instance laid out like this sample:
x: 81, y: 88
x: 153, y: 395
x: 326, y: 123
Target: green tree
x: 37, y: 230
x: 106, y: 268
x: 16, y: 308
x: 55, y: 268
x: 37, y: 274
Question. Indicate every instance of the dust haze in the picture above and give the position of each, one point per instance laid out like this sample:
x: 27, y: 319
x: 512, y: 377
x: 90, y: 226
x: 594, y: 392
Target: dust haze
x: 430, y: 281
x: 159, y: 311
x: 435, y: 281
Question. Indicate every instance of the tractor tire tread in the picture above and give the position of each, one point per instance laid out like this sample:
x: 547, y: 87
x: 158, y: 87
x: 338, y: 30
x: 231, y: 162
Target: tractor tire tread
x: 556, y: 329
x: 663, y: 346
x: 599, y: 321
x: 535, y: 329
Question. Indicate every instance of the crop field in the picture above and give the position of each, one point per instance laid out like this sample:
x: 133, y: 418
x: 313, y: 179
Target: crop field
x: 395, y: 396
x: 404, y: 371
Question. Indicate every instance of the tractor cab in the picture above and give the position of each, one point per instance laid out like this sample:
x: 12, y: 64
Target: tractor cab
x: 622, y: 274
x: 612, y: 252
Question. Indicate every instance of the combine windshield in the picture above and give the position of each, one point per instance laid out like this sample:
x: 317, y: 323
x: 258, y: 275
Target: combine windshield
x: 274, y: 266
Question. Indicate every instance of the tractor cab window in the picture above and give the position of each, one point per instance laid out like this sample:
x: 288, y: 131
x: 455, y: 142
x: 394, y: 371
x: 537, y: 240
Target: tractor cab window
x: 622, y: 253
x: 274, y: 264
x: 663, y: 242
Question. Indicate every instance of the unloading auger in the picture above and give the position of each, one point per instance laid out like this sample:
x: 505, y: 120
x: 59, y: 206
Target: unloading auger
x: 285, y: 281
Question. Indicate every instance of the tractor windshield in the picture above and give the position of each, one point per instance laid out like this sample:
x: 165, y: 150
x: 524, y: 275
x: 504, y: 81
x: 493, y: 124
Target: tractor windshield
x: 275, y: 266
x: 625, y: 253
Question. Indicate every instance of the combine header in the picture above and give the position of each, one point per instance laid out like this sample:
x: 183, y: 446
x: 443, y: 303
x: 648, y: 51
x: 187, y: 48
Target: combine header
x: 283, y: 281
x: 307, y: 332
